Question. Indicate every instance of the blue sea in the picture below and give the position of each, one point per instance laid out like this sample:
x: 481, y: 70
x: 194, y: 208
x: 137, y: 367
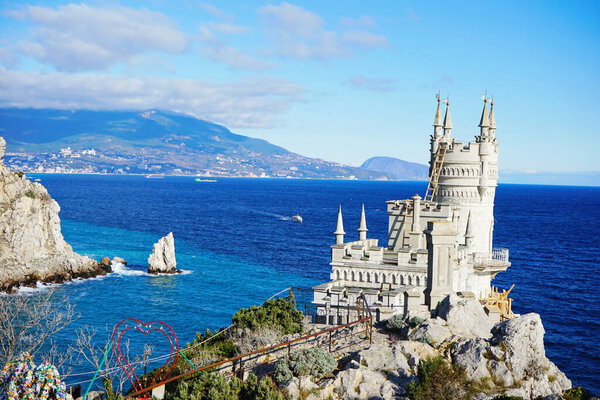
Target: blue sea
x: 238, y: 247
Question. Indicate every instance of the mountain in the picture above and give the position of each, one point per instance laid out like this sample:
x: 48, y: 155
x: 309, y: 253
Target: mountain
x: 395, y: 168
x: 150, y: 141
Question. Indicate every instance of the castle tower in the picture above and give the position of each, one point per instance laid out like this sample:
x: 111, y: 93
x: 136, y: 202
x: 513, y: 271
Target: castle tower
x: 469, y: 178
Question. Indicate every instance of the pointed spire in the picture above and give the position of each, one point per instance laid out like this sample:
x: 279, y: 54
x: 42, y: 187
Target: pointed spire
x: 437, y: 121
x: 485, y: 120
x: 469, y: 233
x: 362, y: 227
x: 492, y: 117
x: 447, y: 119
x: 339, y: 229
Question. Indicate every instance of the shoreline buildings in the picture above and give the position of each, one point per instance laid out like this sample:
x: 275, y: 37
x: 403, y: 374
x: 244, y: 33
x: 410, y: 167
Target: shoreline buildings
x: 437, y: 245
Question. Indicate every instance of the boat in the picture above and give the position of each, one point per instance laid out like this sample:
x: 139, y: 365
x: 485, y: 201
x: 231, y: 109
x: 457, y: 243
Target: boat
x: 296, y: 218
x: 155, y: 176
x: 205, y: 180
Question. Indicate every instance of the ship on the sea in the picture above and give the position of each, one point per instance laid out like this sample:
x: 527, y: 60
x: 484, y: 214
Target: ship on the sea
x: 438, y: 244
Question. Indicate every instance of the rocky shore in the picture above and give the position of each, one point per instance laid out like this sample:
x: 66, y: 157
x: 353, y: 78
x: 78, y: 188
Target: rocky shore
x: 32, y: 248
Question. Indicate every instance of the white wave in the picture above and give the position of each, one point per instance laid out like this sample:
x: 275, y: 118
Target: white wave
x: 120, y: 269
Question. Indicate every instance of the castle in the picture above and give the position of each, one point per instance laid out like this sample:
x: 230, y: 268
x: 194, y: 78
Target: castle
x: 437, y: 245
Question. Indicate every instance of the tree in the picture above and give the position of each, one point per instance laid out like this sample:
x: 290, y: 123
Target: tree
x: 28, y: 323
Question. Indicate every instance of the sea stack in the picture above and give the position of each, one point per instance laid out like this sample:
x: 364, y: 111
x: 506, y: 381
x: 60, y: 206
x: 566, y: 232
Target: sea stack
x: 32, y: 248
x: 162, y: 260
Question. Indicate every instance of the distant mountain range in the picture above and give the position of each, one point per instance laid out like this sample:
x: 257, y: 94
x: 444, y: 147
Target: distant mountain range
x: 397, y: 169
x: 150, y: 142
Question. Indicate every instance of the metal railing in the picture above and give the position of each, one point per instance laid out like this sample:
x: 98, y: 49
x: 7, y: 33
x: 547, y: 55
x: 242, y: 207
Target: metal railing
x: 262, y: 361
x: 498, y: 257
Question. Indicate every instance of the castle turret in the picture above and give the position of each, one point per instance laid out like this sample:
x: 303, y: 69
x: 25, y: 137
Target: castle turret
x: 362, y: 227
x: 339, y: 229
x: 469, y: 233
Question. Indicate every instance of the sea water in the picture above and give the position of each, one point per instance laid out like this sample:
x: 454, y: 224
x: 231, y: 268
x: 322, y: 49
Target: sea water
x: 237, y: 247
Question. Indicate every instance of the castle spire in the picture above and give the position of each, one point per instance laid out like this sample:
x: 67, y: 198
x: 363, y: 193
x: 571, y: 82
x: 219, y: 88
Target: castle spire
x: 362, y: 228
x: 485, y: 119
x: 437, y: 121
x: 492, y: 118
x: 339, y: 229
x: 447, y: 120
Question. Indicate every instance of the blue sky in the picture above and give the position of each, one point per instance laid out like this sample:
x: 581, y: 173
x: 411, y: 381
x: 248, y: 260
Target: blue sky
x: 343, y: 80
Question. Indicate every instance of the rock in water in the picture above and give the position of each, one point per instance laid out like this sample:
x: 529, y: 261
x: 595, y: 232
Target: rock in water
x: 32, y: 248
x: 162, y: 259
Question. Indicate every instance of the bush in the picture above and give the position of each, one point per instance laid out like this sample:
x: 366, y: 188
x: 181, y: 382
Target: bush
x: 314, y: 362
x: 440, y: 380
x: 215, y: 386
x: 576, y: 393
x: 31, y: 194
x: 280, y: 313
x: 396, y: 323
x: 415, y: 321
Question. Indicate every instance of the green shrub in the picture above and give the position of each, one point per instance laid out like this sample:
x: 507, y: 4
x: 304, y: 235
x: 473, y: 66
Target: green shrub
x: 396, y: 323
x: 280, y: 313
x: 20, y: 174
x: 415, y: 321
x: 31, y: 194
x: 440, y: 380
x: 215, y: 386
x: 576, y: 393
x: 314, y: 362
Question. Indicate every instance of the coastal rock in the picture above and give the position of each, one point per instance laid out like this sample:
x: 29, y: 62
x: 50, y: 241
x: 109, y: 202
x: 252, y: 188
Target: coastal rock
x: 432, y: 331
x: 119, y: 260
x: 523, y: 339
x: 465, y: 315
x: 162, y: 260
x: 2, y: 147
x: 32, y: 248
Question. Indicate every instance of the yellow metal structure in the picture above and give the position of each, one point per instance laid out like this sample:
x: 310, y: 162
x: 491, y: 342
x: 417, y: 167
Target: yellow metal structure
x: 501, y: 302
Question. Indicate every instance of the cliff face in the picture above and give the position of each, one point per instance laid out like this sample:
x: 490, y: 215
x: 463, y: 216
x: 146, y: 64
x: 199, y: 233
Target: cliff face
x: 32, y: 247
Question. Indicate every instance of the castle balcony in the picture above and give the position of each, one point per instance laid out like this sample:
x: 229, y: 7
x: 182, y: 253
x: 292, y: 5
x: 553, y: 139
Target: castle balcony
x: 498, y: 259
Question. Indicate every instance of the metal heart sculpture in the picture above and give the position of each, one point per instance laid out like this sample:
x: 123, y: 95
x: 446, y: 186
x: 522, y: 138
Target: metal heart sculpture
x: 135, y: 325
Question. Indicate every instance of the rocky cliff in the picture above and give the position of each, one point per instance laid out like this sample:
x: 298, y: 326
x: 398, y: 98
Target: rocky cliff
x: 32, y: 248
x: 472, y: 359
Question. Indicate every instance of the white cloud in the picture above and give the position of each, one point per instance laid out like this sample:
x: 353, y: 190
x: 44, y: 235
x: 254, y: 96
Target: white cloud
x: 373, y: 84
x: 229, y: 29
x: 300, y: 33
x: 217, y: 12
x: 77, y: 37
x: 250, y: 103
x: 365, y: 39
x: 218, y: 50
x: 292, y: 19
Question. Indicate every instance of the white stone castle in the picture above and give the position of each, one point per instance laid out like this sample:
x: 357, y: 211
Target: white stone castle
x: 437, y: 245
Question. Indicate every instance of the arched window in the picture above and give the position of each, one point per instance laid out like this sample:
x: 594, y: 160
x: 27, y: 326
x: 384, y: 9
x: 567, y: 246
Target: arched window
x: 368, y: 277
x: 376, y: 278
x: 345, y: 275
x: 337, y: 275
x: 410, y: 280
x: 394, y: 280
x: 353, y: 276
x: 418, y: 281
x: 402, y: 279
x: 384, y: 280
x: 360, y: 277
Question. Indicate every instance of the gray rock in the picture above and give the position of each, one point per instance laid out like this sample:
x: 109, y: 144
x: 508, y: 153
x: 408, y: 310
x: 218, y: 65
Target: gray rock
x: 119, y: 260
x: 32, y: 248
x: 500, y: 373
x: 432, y: 331
x: 465, y: 316
x: 470, y: 353
x: 2, y: 147
x: 162, y: 259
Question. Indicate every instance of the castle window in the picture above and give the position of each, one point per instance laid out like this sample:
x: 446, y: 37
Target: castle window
x: 337, y: 275
x: 418, y: 281
x: 376, y: 278
x: 345, y: 275
x: 394, y: 280
x: 368, y: 277
x: 353, y: 276
x: 410, y: 280
x: 384, y: 279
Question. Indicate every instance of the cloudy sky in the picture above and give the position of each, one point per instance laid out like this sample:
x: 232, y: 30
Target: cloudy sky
x: 339, y: 80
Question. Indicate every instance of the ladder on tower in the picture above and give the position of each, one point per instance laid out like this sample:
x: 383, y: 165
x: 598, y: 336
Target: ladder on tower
x: 432, y: 186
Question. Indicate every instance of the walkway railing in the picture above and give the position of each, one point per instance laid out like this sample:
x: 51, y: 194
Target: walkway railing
x: 498, y: 257
x: 262, y: 361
